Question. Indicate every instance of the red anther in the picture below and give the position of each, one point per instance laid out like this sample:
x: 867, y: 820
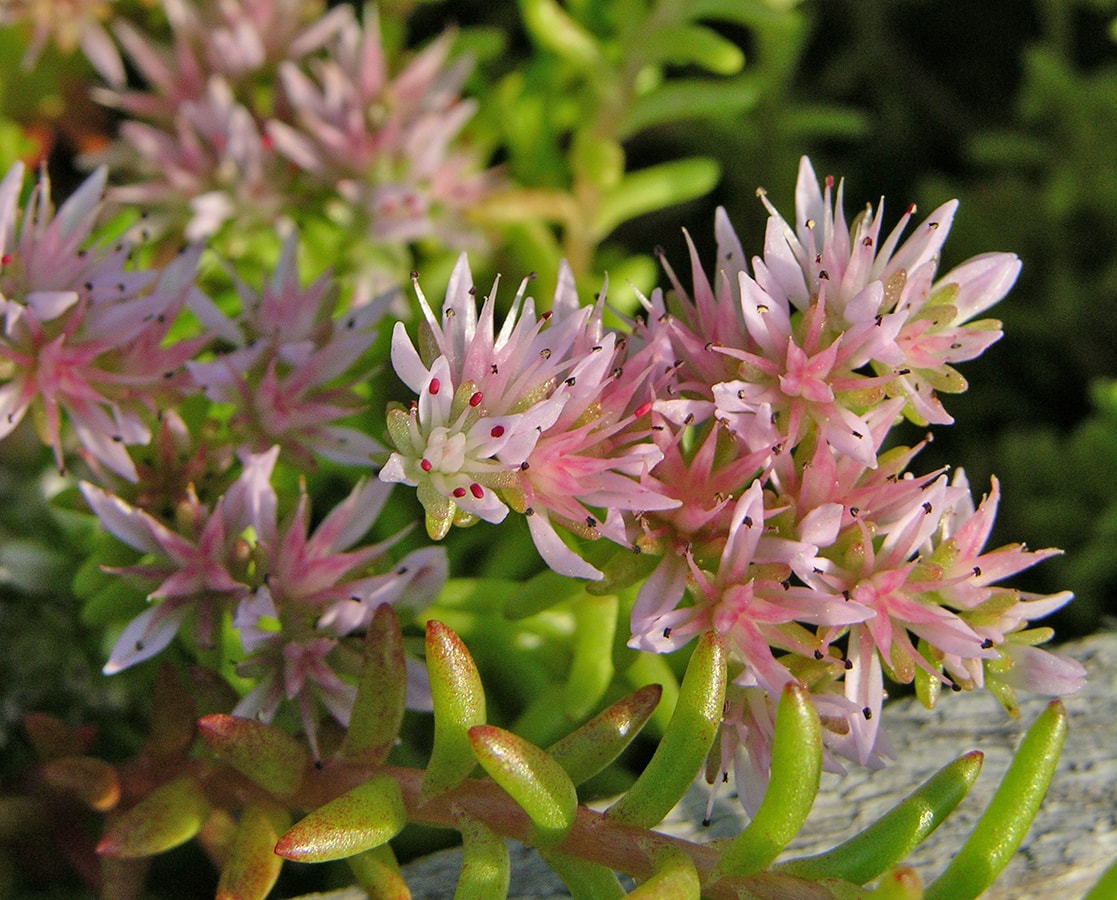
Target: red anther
x: 829, y: 181
x: 911, y: 209
x: 643, y: 409
x: 425, y: 465
x: 476, y: 399
x: 459, y: 492
x: 5, y: 259
x: 435, y: 386
x: 497, y: 431
x: 476, y: 490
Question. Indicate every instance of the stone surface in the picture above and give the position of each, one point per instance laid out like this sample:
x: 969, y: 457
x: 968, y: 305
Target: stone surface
x: 1072, y: 840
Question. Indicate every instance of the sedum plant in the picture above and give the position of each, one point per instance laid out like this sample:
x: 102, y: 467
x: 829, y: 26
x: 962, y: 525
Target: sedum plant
x: 719, y: 469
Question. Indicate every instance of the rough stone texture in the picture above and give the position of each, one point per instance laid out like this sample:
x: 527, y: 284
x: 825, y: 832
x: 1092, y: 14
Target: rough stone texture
x: 1072, y: 840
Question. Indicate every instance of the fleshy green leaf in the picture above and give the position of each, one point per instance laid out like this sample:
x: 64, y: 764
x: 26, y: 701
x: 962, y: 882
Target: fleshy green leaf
x: 654, y: 188
x: 459, y: 704
x: 369, y: 815
x: 686, y: 741
x: 899, y: 831
x: 591, y: 670
x: 93, y: 781
x: 687, y: 44
x: 486, y: 866
x: 591, y: 747
x: 251, y: 868
x: 901, y: 883
x: 675, y: 878
x: 584, y: 879
x: 381, y: 691
x: 269, y: 757
x: 170, y: 815
x: 378, y: 873
x: 551, y: 27
x: 792, y: 786
x: 1106, y: 886
x: 538, y: 784
x: 1009, y: 815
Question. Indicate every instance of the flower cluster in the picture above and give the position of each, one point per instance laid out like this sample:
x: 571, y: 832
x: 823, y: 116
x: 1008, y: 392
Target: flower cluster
x: 293, y: 595
x: 288, y: 364
x: 84, y: 332
x: 257, y: 106
x: 736, y: 433
x: 539, y: 417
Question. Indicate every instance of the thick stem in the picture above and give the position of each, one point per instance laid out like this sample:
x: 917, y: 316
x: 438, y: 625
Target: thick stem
x: 593, y: 837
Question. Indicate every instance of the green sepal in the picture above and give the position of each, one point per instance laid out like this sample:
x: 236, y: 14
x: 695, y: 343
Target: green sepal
x: 686, y: 741
x: 591, y: 747
x: 265, y: 755
x: 365, y: 817
x: 538, y: 784
x: 251, y: 867
x: 378, y: 708
x: 927, y: 687
x: 458, y: 700
x: 1009, y: 815
x: 796, y: 768
x: 486, y: 865
x: 170, y: 815
x: 591, y: 670
x: 675, y: 878
x: 899, y: 831
x: 586, y: 880
x: 399, y: 430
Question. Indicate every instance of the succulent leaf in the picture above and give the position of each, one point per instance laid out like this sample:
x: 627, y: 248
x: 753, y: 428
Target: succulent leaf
x: 459, y: 704
x: 899, y: 831
x: 537, y: 783
x: 1009, y: 815
x: 796, y: 770
x: 365, y: 817
x: 486, y: 865
x: 377, y: 713
x: 675, y: 878
x: 251, y: 868
x: 267, y: 756
x: 170, y: 815
x: 590, y: 748
x: 686, y: 741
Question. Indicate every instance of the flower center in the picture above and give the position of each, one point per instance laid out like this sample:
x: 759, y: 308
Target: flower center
x: 445, y: 450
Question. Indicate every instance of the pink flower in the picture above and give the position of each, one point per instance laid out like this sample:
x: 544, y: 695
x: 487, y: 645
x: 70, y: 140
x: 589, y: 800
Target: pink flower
x: 387, y: 145
x: 529, y: 418
x: 315, y: 591
x: 84, y: 334
x: 923, y: 324
x: 200, y: 566
x: 208, y: 166
x: 291, y: 365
